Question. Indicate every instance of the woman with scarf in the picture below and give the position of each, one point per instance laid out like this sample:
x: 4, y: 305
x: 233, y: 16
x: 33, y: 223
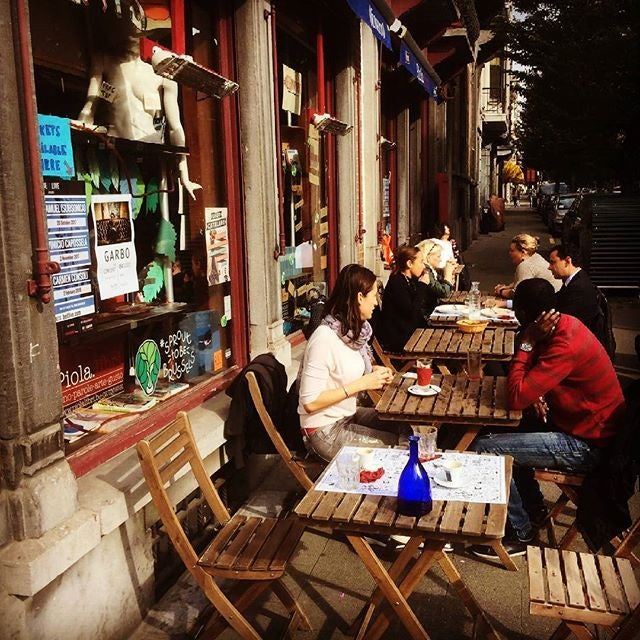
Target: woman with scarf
x: 404, y: 300
x: 337, y: 367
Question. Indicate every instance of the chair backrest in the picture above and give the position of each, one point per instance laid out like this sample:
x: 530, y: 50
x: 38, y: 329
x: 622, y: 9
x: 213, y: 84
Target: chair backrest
x: 381, y: 356
x: 285, y: 453
x: 163, y: 457
x: 630, y: 541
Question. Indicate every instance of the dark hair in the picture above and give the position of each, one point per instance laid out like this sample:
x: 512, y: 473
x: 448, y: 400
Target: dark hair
x: 437, y: 229
x: 533, y: 296
x: 567, y: 251
x: 402, y: 255
x: 343, y: 301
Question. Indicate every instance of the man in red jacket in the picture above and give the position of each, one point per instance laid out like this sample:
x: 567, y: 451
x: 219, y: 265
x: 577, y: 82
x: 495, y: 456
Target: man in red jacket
x: 562, y: 374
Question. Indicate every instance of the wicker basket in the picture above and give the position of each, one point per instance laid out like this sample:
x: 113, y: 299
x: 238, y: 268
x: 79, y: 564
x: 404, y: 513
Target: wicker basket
x: 472, y: 326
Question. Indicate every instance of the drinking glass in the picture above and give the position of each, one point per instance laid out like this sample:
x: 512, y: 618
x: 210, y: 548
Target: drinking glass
x: 424, y: 371
x: 474, y: 365
x: 427, y: 442
x: 348, y: 468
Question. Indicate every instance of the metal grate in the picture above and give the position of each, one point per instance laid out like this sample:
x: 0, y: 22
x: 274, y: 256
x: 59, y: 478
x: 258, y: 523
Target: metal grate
x: 615, y: 243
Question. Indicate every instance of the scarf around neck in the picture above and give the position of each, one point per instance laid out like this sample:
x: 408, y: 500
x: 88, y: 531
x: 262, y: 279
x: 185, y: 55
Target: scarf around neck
x: 361, y: 343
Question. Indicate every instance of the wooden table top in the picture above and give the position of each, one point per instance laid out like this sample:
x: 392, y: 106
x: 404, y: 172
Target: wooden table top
x: 495, y: 343
x: 451, y: 521
x: 461, y: 401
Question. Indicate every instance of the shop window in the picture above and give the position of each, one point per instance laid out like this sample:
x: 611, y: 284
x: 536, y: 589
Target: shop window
x: 146, y: 298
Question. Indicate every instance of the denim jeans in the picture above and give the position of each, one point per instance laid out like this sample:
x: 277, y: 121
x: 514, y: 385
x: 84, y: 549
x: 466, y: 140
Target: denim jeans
x: 543, y: 449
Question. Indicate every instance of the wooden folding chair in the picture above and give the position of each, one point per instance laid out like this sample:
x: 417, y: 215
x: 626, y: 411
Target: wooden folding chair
x: 252, y: 550
x: 584, y: 588
x: 297, y: 465
x: 568, y: 483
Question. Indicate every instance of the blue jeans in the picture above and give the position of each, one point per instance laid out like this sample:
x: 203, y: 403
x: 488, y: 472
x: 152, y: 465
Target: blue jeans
x: 540, y: 449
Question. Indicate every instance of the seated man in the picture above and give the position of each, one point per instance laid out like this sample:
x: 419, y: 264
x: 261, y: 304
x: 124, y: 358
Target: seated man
x: 565, y: 375
x: 578, y: 296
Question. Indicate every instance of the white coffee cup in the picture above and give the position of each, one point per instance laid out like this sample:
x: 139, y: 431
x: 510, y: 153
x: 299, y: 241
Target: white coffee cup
x: 453, y: 471
x: 367, y: 459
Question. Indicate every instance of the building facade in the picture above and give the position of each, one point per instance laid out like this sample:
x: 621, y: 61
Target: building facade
x: 179, y: 179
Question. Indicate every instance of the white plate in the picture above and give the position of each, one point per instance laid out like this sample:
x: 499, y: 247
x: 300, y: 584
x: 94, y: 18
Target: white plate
x: 439, y: 478
x: 496, y: 313
x: 452, y: 309
x: 431, y: 390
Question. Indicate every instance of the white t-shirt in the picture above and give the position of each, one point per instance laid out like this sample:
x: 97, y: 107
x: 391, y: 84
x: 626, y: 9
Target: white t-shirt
x: 328, y: 364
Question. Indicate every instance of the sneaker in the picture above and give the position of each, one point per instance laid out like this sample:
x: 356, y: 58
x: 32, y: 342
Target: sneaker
x: 517, y: 548
x: 538, y: 515
x: 448, y: 547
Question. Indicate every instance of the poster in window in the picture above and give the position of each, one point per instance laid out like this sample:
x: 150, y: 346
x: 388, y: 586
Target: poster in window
x: 68, y: 237
x: 115, y: 249
x: 291, y: 90
x: 217, y: 244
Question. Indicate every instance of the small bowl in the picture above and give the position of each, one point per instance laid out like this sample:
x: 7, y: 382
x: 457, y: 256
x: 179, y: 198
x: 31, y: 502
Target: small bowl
x: 472, y: 326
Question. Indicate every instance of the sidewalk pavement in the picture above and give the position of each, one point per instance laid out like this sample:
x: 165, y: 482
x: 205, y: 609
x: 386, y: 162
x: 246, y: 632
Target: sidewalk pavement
x: 327, y: 577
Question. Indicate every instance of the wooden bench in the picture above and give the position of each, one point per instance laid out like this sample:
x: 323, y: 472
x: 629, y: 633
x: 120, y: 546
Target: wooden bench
x: 583, y: 588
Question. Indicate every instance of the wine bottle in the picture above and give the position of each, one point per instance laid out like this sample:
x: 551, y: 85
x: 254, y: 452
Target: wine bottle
x: 414, y: 487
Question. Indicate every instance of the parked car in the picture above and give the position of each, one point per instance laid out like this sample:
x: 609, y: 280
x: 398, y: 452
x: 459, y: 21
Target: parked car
x: 606, y: 230
x: 561, y: 205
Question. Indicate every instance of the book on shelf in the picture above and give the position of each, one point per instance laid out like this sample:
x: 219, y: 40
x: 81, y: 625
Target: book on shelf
x: 126, y: 402
x: 165, y: 389
x: 81, y: 421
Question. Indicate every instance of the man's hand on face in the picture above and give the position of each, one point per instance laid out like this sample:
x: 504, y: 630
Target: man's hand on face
x: 542, y: 328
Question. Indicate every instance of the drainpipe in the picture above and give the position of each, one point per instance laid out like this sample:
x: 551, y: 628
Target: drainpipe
x: 40, y: 285
x: 320, y: 69
x: 282, y: 241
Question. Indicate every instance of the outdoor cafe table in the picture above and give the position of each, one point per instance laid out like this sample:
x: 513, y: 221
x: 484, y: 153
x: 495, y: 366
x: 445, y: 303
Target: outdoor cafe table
x: 459, y: 298
x: 451, y: 344
x: 474, y: 403
x: 358, y: 515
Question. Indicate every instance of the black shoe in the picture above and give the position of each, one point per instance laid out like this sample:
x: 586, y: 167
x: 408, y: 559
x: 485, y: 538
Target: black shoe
x: 514, y: 549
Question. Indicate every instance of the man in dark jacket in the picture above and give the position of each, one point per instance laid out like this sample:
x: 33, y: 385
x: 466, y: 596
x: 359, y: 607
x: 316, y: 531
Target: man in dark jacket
x: 578, y: 296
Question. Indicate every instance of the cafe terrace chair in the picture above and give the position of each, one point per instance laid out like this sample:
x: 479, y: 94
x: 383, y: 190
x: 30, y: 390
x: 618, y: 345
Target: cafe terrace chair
x: 584, y: 588
x: 253, y: 551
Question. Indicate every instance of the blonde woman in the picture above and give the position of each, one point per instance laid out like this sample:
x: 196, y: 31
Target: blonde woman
x: 440, y: 286
x: 528, y: 263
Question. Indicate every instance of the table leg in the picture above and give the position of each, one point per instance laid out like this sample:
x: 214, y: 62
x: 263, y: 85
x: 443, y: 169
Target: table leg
x: 395, y: 571
x: 456, y: 581
x: 388, y: 588
x: 468, y: 437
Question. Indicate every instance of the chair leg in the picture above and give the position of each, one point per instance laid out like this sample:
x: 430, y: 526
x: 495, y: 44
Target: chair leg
x: 286, y: 597
x: 561, y: 632
x: 580, y: 631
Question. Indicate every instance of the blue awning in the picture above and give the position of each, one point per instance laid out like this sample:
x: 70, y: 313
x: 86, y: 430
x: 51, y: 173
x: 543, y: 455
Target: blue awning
x: 368, y: 13
x: 410, y: 62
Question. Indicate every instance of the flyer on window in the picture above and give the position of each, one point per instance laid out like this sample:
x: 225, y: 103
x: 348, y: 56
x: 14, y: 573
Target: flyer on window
x: 215, y: 219
x: 115, y: 249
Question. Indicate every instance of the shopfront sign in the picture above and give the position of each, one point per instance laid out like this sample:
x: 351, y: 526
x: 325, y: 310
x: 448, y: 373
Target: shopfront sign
x: 369, y: 14
x: 410, y: 62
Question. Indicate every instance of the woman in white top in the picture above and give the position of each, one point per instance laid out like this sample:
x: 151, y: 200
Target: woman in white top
x: 528, y: 263
x: 337, y: 366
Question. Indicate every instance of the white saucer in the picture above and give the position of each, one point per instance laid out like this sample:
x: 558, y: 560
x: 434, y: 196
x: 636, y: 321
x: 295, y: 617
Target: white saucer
x: 497, y: 312
x: 416, y: 390
x: 438, y: 478
x: 453, y: 309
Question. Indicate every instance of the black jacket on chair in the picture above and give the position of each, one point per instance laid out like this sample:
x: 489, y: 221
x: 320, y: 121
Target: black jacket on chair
x: 579, y: 299
x: 404, y: 304
x: 243, y: 428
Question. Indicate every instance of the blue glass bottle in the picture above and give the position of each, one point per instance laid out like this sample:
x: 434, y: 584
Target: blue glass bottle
x: 414, y: 488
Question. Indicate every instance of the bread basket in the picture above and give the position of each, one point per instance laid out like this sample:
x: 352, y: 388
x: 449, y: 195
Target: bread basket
x: 466, y: 325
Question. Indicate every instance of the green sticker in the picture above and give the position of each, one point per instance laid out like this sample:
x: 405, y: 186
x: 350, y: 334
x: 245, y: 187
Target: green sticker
x: 148, y: 366
x: 223, y: 321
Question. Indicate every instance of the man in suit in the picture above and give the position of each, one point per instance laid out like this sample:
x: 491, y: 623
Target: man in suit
x: 578, y: 296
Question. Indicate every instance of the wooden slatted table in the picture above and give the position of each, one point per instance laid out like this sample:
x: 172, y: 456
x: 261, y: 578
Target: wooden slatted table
x: 474, y: 403
x: 359, y: 515
x: 450, y: 344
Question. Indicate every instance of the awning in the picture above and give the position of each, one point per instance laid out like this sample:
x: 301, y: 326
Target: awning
x: 369, y: 14
x: 410, y: 62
